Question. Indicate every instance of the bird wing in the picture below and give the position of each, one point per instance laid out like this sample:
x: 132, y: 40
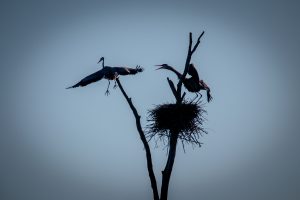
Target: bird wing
x: 90, y: 79
x: 127, y: 70
x: 193, y: 72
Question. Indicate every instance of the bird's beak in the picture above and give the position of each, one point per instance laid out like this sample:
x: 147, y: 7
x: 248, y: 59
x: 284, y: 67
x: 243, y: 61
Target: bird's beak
x: 160, y: 67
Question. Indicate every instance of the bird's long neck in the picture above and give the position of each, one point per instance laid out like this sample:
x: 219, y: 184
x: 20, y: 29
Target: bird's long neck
x: 203, y: 84
x: 174, y: 70
x: 103, y: 63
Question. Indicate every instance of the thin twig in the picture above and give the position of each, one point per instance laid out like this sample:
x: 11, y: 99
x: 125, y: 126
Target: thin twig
x: 144, y: 140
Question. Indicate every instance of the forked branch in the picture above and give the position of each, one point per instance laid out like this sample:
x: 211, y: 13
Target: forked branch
x: 187, y: 64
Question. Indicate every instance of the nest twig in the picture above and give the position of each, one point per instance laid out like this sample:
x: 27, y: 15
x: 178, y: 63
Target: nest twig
x: 184, y: 119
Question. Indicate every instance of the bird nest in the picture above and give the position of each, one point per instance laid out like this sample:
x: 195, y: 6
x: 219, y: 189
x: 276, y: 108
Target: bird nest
x: 185, y: 120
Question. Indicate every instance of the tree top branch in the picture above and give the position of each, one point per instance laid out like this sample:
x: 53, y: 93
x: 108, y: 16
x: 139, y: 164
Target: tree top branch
x: 187, y: 63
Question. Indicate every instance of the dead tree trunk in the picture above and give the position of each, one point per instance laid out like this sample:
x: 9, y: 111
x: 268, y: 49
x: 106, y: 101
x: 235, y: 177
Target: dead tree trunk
x: 166, y: 173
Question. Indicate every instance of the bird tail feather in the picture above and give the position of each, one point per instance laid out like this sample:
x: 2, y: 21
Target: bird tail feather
x: 139, y: 68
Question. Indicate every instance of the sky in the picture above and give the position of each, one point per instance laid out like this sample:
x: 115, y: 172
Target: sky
x: 80, y: 144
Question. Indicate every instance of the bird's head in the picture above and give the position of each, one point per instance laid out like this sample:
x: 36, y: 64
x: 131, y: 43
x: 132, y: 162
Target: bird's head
x: 205, y: 87
x: 101, y: 59
x: 163, y: 66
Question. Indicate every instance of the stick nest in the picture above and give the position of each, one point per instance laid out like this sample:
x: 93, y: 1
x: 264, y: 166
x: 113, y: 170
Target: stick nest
x: 185, y: 119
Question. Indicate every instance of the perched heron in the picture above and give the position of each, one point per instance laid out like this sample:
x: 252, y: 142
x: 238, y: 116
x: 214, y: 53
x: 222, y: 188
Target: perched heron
x: 107, y: 72
x: 192, y: 84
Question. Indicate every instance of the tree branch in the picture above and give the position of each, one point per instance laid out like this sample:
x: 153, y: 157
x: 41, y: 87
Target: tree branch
x: 166, y: 174
x: 183, y: 95
x: 187, y: 62
x: 145, y: 143
x: 198, y: 42
x: 172, y: 86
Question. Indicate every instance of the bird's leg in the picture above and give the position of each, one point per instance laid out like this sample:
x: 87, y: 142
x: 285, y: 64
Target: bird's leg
x: 199, y: 97
x: 115, y: 86
x: 195, y: 98
x: 116, y: 75
x: 107, y: 90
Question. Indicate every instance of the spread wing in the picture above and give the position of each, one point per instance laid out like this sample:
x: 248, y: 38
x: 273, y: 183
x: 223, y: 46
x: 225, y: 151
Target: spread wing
x: 193, y: 72
x: 90, y: 79
x: 127, y: 70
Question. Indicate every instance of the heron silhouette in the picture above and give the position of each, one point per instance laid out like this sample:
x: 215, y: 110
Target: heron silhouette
x: 107, y: 72
x: 192, y: 84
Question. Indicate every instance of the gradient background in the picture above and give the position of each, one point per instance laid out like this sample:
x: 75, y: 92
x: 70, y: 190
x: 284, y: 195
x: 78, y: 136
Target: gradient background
x: 79, y: 144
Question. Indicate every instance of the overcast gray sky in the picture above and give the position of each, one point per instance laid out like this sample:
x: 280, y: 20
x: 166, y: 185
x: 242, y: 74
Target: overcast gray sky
x: 80, y: 144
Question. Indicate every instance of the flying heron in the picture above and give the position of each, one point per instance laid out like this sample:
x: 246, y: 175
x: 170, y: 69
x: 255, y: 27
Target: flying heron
x: 107, y: 72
